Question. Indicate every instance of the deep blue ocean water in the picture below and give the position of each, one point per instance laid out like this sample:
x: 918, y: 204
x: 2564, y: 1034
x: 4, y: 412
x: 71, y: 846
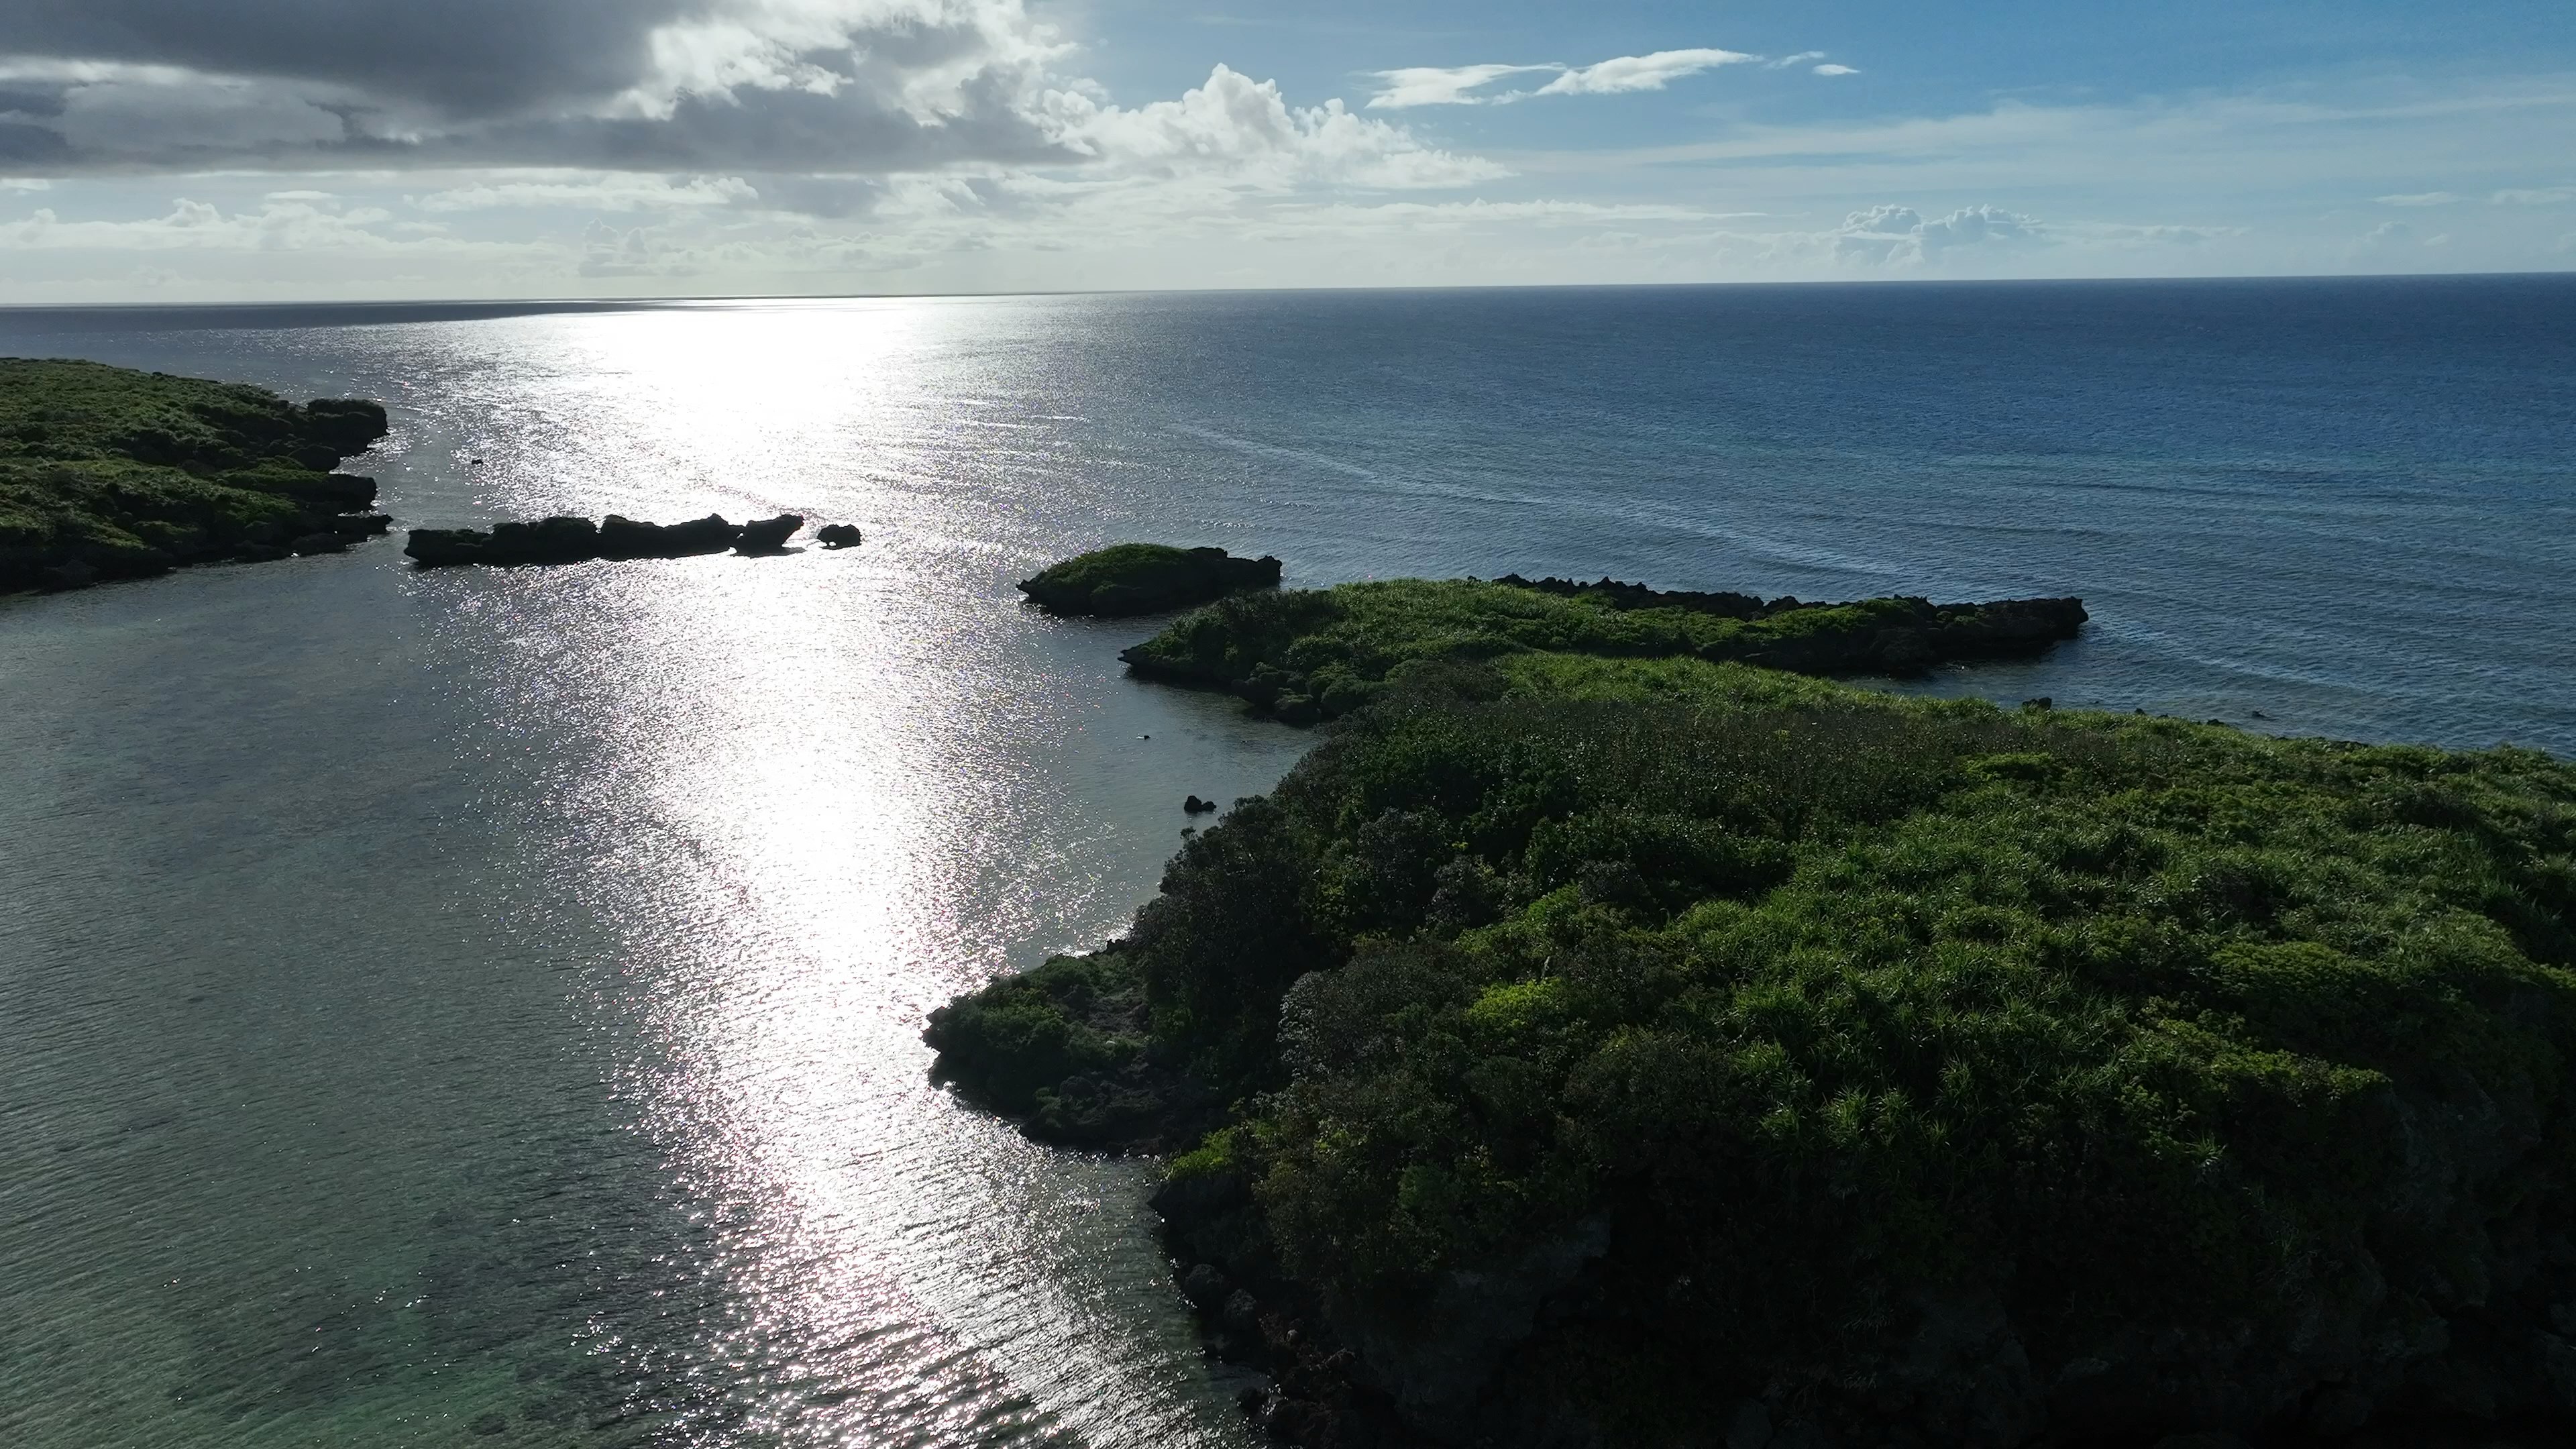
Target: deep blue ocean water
x: 483, y: 1007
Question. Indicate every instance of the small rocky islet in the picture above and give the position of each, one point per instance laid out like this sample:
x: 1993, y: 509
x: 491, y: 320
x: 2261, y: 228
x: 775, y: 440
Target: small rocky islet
x: 1614, y: 1033
x: 1127, y: 579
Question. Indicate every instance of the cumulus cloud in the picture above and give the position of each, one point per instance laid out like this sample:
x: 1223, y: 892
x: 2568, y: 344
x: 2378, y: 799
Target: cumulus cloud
x: 1463, y: 85
x: 1900, y: 236
x: 1246, y: 131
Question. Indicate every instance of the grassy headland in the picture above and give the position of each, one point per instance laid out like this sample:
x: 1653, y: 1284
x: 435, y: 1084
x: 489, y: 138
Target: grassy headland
x: 1146, y: 578
x: 1623, y: 1046
x: 110, y: 473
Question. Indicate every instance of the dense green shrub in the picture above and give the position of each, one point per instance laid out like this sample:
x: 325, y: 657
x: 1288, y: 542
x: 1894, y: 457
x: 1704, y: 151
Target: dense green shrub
x: 1825, y: 1000
x: 1320, y: 654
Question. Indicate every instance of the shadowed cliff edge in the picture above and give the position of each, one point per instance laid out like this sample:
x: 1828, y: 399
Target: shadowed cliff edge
x: 1600, y: 1040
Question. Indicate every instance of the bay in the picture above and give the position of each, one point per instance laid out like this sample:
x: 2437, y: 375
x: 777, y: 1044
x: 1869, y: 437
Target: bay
x: 482, y: 1007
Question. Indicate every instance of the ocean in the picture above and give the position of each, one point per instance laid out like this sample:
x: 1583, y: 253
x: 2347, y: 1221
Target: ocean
x: 483, y: 1007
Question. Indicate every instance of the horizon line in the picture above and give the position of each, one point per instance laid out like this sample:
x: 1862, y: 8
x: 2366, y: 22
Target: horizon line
x: 721, y: 298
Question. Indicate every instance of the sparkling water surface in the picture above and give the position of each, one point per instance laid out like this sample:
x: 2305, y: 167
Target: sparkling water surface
x: 483, y: 1007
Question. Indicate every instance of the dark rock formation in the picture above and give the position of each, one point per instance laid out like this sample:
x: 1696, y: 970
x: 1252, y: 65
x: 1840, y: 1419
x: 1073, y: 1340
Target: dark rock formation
x: 838, y: 535
x: 566, y: 539
x: 1196, y: 806
x: 768, y: 535
x: 710, y: 534
x: 1146, y: 578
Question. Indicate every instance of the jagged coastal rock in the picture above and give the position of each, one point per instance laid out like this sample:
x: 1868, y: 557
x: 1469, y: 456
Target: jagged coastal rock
x: 838, y: 535
x: 109, y: 473
x: 565, y: 539
x: 1146, y: 578
x: 768, y: 535
x: 1596, y: 1043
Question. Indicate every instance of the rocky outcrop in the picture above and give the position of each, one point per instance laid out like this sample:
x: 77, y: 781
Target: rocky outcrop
x: 838, y: 535
x: 768, y: 535
x: 1146, y: 578
x: 566, y: 539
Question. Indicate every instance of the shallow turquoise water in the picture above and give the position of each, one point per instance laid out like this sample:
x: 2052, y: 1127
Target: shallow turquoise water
x: 483, y: 1007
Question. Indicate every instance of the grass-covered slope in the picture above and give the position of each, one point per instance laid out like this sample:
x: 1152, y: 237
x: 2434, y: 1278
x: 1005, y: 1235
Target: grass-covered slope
x: 1620, y: 1045
x: 1318, y: 654
x: 111, y: 473
x: 1145, y: 578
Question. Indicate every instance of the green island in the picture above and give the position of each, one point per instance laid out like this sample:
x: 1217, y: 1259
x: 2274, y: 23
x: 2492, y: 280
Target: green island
x: 1145, y: 578
x: 109, y: 473
x: 1601, y: 1039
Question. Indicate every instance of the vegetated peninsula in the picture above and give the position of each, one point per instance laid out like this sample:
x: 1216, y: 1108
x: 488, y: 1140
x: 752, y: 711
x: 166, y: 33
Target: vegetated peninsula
x: 1317, y: 654
x: 109, y: 473
x: 1146, y: 578
x: 1591, y: 1043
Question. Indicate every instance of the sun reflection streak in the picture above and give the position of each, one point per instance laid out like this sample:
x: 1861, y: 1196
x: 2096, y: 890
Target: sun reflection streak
x: 824, y: 803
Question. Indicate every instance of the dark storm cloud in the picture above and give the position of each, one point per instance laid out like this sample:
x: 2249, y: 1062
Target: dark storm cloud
x: 37, y: 101
x: 182, y: 84
x: 462, y: 58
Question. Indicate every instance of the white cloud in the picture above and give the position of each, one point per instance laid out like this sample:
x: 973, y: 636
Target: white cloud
x: 1888, y: 235
x: 2419, y: 198
x: 1459, y: 85
x: 25, y: 183
x: 1241, y: 132
x: 1431, y: 85
x: 2535, y: 196
x: 1640, y: 72
x: 1801, y: 58
x: 616, y: 191
x: 1837, y: 70
x: 278, y: 226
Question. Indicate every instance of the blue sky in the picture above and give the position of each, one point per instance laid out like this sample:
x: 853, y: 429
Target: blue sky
x: 222, y: 149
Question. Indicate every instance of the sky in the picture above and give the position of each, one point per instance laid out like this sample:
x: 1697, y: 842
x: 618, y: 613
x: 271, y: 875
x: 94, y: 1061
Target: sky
x: 250, y: 150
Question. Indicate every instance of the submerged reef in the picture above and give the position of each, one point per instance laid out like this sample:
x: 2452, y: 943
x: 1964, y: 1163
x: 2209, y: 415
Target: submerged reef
x: 109, y: 473
x: 1146, y: 578
x: 565, y: 539
x: 1604, y: 1046
x: 1311, y: 655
